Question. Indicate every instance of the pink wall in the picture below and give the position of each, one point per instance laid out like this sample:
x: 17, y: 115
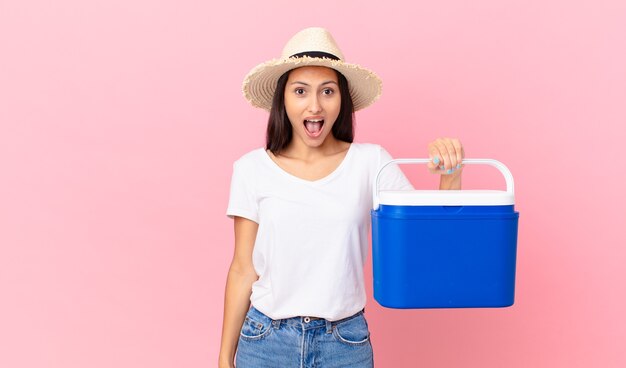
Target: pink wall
x: 120, y: 120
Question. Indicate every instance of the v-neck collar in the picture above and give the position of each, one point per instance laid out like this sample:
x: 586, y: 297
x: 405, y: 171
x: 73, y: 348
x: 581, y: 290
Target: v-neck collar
x: 326, y: 178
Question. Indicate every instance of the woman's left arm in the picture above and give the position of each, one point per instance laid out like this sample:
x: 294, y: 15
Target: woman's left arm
x: 446, y: 156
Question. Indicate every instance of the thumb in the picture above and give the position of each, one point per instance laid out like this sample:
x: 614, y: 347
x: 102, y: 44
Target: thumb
x: 433, y: 162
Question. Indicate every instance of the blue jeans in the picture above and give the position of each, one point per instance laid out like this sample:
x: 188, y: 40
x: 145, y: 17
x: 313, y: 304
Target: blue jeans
x: 294, y: 342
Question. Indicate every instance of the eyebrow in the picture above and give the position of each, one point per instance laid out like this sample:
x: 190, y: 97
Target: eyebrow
x: 306, y: 84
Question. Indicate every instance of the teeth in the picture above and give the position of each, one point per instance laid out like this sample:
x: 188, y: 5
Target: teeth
x: 315, y: 120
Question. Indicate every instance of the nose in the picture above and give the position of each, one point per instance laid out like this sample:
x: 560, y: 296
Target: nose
x: 314, y: 105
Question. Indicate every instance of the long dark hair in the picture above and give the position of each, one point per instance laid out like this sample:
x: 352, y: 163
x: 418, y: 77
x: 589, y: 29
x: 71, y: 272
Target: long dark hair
x: 279, y: 131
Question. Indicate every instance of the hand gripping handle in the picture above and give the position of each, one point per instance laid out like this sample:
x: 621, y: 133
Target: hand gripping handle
x: 495, y: 163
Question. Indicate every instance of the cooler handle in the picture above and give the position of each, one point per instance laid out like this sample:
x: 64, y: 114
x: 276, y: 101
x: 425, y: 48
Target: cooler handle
x: 495, y: 163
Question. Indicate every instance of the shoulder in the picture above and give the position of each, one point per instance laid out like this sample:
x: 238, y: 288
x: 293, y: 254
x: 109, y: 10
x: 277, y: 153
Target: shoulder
x: 366, y: 147
x: 371, y: 150
x: 251, y: 158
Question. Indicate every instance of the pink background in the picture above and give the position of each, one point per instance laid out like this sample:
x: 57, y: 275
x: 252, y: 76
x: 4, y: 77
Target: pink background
x: 120, y: 120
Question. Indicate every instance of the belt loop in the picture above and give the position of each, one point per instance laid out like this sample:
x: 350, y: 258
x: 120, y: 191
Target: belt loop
x: 276, y: 323
x: 329, y: 326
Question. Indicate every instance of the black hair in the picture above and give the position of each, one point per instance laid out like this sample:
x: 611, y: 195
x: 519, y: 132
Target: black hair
x: 279, y: 131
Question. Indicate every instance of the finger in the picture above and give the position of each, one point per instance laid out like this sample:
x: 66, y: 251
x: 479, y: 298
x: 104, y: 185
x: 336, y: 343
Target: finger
x: 435, y: 157
x: 431, y: 165
x: 458, y: 147
x: 452, y: 155
x: 443, y: 149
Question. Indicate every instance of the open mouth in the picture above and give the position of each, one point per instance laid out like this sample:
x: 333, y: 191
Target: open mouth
x: 313, y: 127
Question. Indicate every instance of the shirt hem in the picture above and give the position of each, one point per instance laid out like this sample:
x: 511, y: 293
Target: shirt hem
x: 232, y: 212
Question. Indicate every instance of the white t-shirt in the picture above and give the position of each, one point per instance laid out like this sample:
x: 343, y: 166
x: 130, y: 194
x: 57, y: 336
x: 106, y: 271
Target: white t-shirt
x: 312, y: 239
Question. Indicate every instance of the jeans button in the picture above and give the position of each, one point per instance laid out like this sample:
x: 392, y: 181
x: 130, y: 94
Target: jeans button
x: 307, y: 319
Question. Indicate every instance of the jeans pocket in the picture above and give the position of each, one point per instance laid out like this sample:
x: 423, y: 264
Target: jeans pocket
x: 254, y: 330
x: 352, y: 332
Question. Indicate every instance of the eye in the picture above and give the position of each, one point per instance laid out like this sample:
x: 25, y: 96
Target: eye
x: 328, y: 91
x: 299, y: 91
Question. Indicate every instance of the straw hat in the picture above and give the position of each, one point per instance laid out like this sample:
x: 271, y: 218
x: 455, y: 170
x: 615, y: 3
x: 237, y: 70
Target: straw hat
x: 310, y: 47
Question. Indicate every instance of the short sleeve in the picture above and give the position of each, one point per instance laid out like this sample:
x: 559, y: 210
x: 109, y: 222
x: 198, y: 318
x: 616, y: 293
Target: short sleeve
x: 243, y: 199
x: 392, y: 177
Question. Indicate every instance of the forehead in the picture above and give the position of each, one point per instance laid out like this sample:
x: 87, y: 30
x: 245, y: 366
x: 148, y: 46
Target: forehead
x: 312, y: 73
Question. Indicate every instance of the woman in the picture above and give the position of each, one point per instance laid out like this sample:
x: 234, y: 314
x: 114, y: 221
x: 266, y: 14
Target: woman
x: 295, y: 294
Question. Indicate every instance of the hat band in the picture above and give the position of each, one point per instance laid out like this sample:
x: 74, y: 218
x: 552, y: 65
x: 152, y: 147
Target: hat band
x: 315, y: 54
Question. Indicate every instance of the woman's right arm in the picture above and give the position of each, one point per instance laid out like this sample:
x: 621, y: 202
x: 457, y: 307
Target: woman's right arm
x: 241, y: 275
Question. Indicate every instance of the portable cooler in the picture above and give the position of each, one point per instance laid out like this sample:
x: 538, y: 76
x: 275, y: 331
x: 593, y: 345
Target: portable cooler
x: 444, y: 248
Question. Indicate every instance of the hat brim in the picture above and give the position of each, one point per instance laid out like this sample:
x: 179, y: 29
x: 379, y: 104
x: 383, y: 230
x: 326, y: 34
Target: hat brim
x: 260, y: 83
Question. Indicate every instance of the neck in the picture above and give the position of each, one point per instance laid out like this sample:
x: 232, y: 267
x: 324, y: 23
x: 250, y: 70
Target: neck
x: 299, y: 150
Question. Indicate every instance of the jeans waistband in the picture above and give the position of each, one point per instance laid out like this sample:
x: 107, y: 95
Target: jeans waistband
x: 299, y: 321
